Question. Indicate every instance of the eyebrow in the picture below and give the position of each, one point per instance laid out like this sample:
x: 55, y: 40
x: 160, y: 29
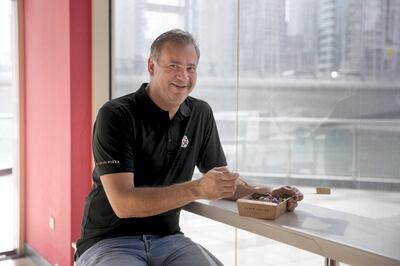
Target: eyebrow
x: 180, y: 63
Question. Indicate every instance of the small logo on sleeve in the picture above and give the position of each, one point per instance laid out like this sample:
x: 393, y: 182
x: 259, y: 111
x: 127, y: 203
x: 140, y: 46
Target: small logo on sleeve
x: 185, y: 142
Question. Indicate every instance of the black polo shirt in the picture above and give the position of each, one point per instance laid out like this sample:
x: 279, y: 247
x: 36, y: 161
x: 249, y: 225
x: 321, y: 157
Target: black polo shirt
x: 132, y: 134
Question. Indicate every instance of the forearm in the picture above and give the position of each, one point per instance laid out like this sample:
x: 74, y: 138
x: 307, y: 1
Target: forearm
x: 129, y: 201
x: 243, y: 189
x: 149, y: 201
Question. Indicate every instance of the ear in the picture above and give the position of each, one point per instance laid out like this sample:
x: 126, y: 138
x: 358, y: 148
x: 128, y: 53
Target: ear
x: 150, y: 66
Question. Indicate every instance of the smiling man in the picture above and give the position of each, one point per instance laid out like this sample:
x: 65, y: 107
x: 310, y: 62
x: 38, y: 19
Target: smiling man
x: 146, y: 145
x: 173, y: 74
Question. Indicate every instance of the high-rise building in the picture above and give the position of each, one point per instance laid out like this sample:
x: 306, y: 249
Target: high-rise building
x: 372, y: 40
x: 140, y: 21
x: 261, y: 37
x: 353, y: 39
x: 299, y: 57
x: 217, y: 22
x: 352, y: 66
x: 326, y: 31
x: 129, y: 25
x: 392, y: 48
x: 374, y: 31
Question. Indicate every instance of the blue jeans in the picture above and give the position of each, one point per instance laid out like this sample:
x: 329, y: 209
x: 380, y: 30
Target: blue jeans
x: 148, y: 250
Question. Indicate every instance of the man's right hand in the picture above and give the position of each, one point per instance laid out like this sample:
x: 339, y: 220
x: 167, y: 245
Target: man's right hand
x: 218, y: 183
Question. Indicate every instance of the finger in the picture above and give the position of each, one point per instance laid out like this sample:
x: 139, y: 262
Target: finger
x: 291, y: 206
x: 221, y: 169
x: 293, y: 191
x: 235, y: 175
x: 227, y: 194
x: 292, y: 201
x: 227, y: 183
x: 229, y: 176
x: 299, y: 196
x: 228, y: 187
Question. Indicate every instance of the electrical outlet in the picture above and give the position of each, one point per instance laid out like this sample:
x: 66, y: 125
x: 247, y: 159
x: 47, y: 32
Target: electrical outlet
x: 52, y: 223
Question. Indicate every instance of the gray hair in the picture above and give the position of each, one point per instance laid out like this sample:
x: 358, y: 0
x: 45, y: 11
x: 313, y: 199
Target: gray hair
x: 176, y: 36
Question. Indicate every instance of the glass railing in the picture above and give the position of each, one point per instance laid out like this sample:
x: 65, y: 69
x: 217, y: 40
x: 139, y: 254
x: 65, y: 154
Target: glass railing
x: 332, y: 132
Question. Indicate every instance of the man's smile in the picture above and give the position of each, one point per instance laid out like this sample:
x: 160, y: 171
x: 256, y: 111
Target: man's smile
x: 180, y: 86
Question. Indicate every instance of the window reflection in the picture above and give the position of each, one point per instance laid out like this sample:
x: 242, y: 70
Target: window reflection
x: 304, y: 90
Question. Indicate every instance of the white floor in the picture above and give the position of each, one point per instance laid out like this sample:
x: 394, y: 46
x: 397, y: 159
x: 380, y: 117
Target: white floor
x: 17, y: 262
x: 8, y: 205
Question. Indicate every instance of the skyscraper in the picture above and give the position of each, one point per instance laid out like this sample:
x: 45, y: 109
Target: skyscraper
x: 299, y: 57
x: 352, y: 66
x: 372, y: 40
x: 392, y: 49
x: 217, y: 22
x: 326, y: 37
x: 261, y: 37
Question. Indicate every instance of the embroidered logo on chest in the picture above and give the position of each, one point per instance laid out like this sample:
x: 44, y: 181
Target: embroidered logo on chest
x: 185, y: 142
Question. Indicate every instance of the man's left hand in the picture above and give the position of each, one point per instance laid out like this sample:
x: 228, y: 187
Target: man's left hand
x: 288, y: 192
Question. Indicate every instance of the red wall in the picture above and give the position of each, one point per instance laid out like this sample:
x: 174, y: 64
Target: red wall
x: 58, y: 123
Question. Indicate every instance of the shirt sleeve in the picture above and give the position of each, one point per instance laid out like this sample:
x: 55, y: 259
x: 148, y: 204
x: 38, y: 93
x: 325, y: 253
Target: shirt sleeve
x: 112, y: 142
x: 211, y: 154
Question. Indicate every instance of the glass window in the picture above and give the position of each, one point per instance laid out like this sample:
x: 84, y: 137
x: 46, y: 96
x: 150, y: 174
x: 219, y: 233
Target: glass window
x: 9, y: 126
x: 305, y: 92
x: 319, y: 95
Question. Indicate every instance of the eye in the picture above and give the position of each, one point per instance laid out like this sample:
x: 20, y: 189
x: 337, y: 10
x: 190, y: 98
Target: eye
x: 191, y: 69
x: 173, y: 66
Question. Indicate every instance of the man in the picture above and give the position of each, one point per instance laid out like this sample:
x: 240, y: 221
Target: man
x: 146, y: 145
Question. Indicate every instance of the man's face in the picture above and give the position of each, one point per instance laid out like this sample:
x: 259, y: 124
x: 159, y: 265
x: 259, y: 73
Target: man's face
x: 174, y: 75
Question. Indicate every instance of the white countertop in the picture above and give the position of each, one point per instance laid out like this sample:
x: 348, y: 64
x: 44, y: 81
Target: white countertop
x: 330, y: 233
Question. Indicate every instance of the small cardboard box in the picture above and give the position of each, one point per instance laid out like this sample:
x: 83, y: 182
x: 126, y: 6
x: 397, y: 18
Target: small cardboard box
x: 261, y: 209
x: 323, y: 190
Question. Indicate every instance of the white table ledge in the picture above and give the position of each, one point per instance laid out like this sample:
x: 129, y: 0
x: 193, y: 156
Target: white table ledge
x: 335, y: 235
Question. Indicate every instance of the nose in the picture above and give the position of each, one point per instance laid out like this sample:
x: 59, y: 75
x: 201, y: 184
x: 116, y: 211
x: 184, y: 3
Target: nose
x: 182, y: 74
